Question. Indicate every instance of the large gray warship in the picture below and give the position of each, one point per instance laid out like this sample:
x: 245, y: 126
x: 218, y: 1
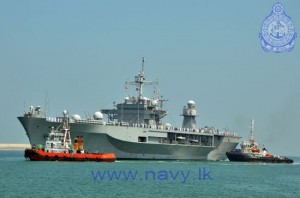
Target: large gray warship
x: 134, y: 130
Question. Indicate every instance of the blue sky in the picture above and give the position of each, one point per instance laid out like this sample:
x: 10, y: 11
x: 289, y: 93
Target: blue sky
x: 82, y: 52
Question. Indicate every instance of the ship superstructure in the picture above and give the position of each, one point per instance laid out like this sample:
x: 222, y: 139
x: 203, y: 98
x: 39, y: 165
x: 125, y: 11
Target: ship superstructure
x: 134, y: 129
x: 189, y: 115
x: 137, y: 109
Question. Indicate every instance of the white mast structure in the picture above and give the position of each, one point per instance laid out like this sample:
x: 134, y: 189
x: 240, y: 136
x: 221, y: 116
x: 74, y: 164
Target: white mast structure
x: 139, y: 81
x: 252, y: 131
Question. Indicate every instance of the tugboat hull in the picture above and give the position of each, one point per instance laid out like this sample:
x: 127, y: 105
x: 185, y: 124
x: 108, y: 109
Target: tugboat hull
x: 242, y: 157
x: 40, y: 155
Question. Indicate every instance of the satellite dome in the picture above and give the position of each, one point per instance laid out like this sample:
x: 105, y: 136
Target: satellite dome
x: 98, y: 115
x: 65, y: 112
x: 168, y: 125
x: 76, y: 117
x: 154, y: 102
x: 192, y: 102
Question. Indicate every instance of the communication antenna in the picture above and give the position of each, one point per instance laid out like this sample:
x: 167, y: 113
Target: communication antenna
x: 252, y: 130
x: 140, y: 81
x: 47, y: 104
x: 143, y: 62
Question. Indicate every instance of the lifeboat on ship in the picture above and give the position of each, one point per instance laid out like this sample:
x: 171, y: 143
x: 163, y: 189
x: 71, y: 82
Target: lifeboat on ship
x: 255, y: 150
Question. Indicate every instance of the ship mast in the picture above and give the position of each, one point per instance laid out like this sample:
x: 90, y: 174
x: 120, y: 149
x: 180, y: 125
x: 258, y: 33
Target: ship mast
x: 66, y: 130
x: 143, y: 63
x: 252, y: 130
x: 139, y: 81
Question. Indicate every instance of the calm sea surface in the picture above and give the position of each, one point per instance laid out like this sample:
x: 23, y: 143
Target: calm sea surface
x: 21, y: 178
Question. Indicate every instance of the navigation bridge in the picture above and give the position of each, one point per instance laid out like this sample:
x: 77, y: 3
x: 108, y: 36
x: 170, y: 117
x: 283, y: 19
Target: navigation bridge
x: 136, y: 110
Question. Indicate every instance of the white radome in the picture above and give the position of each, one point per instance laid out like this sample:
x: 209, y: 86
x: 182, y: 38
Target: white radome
x: 65, y: 112
x: 154, y: 102
x: 76, y: 117
x: 98, y: 115
x: 191, y: 102
x: 168, y: 125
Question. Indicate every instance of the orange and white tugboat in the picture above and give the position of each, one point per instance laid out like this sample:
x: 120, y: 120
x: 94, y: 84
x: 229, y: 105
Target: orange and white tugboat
x: 59, y: 147
x: 250, y: 152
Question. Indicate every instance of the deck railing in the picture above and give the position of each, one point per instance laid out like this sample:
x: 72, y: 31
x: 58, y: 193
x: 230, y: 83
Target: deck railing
x: 204, y: 130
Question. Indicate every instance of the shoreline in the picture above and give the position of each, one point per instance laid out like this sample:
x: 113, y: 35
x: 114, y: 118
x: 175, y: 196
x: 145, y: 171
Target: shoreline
x: 14, y: 146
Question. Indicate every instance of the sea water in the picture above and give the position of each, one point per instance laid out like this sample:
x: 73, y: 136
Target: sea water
x: 23, y: 178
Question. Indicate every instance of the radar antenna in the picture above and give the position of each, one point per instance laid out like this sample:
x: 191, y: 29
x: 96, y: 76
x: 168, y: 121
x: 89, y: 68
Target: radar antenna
x: 143, y: 63
x: 140, y: 81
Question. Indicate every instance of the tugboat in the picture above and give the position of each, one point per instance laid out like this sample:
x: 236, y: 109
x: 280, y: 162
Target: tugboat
x: 59, y: 147
x: 251, y: 152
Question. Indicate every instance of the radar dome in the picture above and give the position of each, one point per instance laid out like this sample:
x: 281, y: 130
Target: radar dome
x: 65, y: 112
x: 76, y: 117
x: 127, y: 99
x: 98, y: 115
x: 154, y: 102
x: 192, y: 102
x: 168, y: 125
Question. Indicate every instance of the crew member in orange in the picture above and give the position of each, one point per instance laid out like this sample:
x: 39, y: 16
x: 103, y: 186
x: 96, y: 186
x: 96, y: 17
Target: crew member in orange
x: 76, y: 143
x: 80, y: 142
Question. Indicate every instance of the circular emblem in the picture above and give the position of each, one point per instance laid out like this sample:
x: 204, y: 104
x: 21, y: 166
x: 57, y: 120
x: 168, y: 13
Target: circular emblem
x: 277, y: 31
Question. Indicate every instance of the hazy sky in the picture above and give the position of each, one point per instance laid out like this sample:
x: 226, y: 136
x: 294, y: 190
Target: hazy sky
x: 82, y: 52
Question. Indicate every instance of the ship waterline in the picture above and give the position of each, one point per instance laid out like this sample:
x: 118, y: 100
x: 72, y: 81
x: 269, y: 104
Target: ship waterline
x: 134, y: 129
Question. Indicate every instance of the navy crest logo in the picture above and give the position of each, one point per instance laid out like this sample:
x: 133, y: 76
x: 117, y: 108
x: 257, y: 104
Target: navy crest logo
x: 277, y: 31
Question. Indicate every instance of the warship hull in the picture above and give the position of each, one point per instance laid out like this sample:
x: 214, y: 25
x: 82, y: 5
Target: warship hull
x: 124, y: 140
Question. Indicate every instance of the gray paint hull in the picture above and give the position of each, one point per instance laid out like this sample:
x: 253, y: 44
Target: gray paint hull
x: 122, y: 141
